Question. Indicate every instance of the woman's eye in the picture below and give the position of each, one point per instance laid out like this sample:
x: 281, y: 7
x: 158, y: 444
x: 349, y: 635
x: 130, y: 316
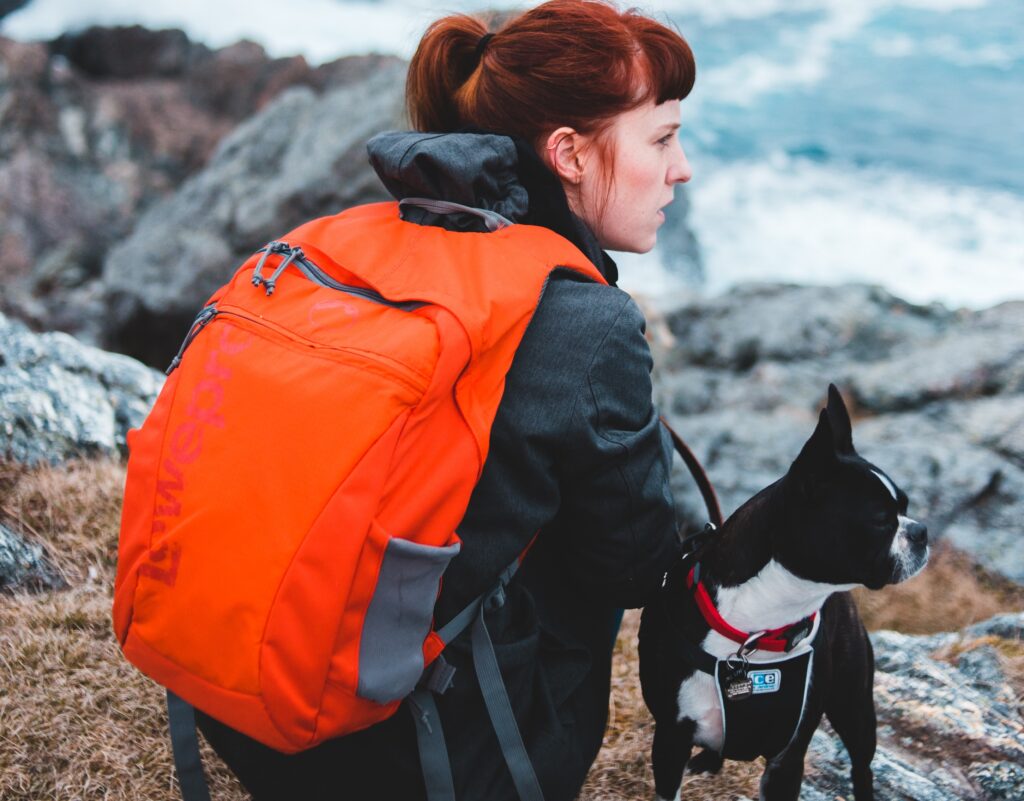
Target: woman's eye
x: 664, y: 141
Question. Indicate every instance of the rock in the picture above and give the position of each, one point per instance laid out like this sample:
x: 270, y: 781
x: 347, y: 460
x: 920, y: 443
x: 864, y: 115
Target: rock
x: 983, y: 358
x: 937, y: 398
x: 129, y: 52
x: 98, y: 126
x: 1009, y: 626
x: 303, y: 156
x: 60, y: 398
x: 779, y: 323
x: 943, y: 732
x: 25, y: 566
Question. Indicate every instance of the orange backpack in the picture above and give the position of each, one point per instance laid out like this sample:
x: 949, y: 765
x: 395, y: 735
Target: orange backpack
x: 293, y: 497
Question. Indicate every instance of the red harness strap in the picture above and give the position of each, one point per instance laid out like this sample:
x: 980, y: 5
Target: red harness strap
x: 769, y: 640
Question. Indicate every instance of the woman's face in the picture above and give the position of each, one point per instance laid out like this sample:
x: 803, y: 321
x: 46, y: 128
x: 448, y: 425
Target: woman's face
x: 647, y: 162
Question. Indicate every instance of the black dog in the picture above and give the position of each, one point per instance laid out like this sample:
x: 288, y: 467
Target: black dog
x: 833, y: 522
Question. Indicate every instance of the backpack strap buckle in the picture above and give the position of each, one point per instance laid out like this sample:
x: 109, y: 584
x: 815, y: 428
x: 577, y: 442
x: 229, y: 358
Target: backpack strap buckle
x: 496, y: 599
x: 439, y: 678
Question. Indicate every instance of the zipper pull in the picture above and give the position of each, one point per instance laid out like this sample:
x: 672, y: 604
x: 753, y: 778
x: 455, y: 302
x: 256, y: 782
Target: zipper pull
x: 201, y: 321
x: 293, y: 254
x: 271, y: 247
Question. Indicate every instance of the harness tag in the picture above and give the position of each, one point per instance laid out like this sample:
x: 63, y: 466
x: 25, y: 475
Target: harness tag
x: 739, y: 689
x: 765, y: 681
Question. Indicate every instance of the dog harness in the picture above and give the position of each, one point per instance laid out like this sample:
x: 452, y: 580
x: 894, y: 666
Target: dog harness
x: 762, y: 702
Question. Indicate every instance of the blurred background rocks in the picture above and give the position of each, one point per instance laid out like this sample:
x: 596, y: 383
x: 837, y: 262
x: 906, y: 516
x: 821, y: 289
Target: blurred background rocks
x: 98, y: 127
x: 937, y: 399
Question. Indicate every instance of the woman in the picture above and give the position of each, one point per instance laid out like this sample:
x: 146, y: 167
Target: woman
x: 566, y: 117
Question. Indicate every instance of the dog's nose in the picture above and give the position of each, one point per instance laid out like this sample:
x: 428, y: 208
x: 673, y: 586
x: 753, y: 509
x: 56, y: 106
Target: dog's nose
x: 917, y: 533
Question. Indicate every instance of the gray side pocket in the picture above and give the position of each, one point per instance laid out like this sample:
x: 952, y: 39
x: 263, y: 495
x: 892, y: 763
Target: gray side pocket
x: 399, y: 617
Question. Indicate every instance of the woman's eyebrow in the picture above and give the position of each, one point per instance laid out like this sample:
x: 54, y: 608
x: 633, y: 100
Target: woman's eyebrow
x: 670, y: 126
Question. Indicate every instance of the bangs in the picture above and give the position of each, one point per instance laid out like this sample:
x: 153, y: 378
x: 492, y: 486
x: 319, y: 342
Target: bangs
x: 668, y: 69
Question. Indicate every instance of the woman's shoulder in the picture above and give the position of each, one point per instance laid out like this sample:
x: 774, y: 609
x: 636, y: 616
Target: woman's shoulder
x: 580, y: 329
x: 583, y: 310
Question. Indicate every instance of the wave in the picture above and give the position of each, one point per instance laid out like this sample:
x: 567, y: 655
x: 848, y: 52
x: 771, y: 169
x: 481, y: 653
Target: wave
x: 746, y: 78
x: 727, y: 10
x: 793, y: 220
x: 803, y: 54
x: 946, y: 48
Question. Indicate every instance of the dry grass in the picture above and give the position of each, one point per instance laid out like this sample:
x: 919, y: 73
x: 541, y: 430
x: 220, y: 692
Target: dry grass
x: 950, y: 593
x: 78, y: 722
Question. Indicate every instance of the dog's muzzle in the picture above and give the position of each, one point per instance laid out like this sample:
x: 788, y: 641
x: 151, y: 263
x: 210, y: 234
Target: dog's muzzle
x: 909, y: 549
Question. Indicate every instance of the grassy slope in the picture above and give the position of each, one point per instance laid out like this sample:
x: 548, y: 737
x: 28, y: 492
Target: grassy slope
x: 76, y: 721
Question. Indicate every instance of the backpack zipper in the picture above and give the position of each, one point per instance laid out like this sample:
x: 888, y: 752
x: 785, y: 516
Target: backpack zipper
x: 295, y: 256
x: 291, y: 255
x: 202, y: 320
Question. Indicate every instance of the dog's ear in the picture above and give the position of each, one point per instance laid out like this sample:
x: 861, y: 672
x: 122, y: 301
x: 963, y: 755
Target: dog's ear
x: 818, y: 453
x: 839, y: 420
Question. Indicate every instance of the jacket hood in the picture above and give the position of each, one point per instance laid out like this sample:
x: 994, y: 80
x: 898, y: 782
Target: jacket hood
x: 486, y: 171
x: 476, y: 170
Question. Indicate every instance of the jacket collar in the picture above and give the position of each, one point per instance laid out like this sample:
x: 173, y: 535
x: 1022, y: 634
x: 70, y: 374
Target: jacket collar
x: 488, y: 171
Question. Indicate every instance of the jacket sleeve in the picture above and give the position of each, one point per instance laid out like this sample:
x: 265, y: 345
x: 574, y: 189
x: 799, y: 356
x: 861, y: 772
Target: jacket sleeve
x: 616, y: 498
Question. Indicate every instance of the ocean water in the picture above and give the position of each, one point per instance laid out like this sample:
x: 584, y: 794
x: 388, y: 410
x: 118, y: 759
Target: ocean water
x: 831, y: 140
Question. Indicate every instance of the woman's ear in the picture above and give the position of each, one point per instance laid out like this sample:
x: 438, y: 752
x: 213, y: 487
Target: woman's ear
x: 563, y: 153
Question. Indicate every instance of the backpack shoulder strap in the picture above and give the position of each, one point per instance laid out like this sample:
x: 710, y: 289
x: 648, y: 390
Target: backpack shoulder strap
x: 181, y: 720
x: 434, y: 760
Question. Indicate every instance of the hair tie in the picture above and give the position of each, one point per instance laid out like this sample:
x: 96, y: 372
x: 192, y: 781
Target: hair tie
x: 482, y: 45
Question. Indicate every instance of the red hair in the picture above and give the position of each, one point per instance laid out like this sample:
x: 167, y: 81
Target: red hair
x: 577, y: 63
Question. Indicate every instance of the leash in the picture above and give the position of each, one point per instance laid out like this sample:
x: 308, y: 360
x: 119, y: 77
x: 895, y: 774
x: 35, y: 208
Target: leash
x: 700, y: 477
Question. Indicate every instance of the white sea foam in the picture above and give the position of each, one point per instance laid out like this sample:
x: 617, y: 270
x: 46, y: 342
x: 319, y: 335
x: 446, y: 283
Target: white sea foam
x: 946, y: 48
x: 805, y: 56
x: 805, y: 62
x: 646, y: 276
x: 789, y: 220
x: 724, y: 10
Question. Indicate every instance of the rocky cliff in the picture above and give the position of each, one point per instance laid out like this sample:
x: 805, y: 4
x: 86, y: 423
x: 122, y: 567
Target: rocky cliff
x: 100, y: 126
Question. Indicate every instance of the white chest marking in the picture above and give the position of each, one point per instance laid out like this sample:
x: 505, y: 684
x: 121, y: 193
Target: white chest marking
x: 887, y: 483
x: 771, y: 599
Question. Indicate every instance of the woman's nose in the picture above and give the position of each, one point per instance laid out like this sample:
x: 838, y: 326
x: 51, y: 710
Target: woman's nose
x: 679, y: 171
